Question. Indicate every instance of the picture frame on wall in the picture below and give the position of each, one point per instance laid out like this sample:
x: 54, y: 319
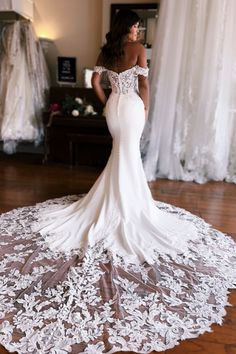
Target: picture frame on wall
x: 66, y: 71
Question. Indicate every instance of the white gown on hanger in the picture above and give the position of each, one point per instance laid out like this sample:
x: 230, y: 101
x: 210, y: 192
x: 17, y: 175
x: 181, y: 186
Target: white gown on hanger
x: 24, y: 83
x: 118, y: 271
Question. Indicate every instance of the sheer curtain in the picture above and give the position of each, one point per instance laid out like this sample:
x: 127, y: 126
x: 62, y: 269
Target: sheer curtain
x: 191, y: 133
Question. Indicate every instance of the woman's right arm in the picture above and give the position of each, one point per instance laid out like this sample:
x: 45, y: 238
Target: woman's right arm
x: 96, y: 83
x: 96, y: 78
x: 143, y: 80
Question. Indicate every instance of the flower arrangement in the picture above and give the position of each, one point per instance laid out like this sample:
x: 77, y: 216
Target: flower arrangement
x: 73, y: 106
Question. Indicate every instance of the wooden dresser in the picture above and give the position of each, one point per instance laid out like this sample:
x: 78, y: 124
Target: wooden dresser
x: 80, y: 140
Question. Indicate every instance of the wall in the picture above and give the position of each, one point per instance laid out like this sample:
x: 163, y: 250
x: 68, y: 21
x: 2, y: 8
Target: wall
x: 74, y: 26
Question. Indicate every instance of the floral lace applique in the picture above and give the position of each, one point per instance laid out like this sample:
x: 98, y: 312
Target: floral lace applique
x: 125, y: 81
x: 72, y: 302
x: 99, y: 69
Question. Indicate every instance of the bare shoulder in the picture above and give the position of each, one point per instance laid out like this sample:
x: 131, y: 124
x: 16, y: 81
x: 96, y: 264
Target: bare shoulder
x: 137, y: 46
x: 138, y: 53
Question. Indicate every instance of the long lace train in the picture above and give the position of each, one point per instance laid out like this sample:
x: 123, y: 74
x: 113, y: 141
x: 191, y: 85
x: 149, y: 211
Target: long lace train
x: 95, y: 302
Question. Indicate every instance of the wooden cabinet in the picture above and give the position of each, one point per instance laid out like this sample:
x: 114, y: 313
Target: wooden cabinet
x: 82, y: 141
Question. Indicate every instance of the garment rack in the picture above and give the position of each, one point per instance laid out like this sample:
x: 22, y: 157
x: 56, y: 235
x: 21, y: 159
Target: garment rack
x: 11, y: 17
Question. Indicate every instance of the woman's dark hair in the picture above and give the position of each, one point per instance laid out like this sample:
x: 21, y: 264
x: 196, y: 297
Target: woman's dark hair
x: 113, y: 49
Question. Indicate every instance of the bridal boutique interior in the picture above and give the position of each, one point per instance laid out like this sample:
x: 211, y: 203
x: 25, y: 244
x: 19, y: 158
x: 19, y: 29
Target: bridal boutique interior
x: 48, y: 154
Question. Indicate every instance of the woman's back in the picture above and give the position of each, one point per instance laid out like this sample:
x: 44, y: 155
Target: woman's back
x: 129, y: 58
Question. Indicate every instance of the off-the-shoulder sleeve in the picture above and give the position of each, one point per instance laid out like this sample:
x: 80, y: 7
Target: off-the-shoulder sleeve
x: 142, y: 71
x: 99, y: 69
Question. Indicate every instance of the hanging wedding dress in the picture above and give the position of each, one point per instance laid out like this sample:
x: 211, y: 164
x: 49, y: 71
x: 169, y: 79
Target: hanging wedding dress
x: 23, y: 85
x: 113, y: 270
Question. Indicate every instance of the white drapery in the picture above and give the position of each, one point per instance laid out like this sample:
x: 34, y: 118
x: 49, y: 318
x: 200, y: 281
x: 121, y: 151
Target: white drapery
x: 191, y: 134
x: 24, y: 82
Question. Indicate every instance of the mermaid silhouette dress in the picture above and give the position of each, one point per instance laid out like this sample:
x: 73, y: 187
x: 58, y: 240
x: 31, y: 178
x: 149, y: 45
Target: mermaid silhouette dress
x: 119, y: 209
x: 113, y: 270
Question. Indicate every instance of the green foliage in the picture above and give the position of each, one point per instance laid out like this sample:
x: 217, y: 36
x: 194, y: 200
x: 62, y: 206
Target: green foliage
x: 69, y: 104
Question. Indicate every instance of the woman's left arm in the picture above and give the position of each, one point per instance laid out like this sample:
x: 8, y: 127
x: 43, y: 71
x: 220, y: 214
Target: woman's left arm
x: 143, y: 80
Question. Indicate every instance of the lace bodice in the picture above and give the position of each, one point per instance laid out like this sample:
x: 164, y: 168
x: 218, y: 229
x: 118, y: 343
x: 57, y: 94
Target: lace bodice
x: 125, y: 81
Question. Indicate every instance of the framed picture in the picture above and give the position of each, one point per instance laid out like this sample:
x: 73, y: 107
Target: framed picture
x: 66, y: 70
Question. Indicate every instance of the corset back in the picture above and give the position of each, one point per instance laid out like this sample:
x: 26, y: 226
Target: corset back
x: 125, y: 81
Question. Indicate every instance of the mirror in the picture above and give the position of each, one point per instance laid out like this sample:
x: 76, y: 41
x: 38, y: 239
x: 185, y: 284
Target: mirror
x: 148, y: 14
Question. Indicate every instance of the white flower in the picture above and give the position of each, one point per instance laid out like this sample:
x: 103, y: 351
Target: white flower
x: 88, y: 110
x: 79, y: 100
x: 75, y: 113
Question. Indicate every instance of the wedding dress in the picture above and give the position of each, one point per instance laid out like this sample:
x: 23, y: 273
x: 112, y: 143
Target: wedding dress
x: 24, y: 83
x: 112, y: 270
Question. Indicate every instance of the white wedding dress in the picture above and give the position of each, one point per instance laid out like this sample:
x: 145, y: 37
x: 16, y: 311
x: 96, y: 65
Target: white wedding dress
x: 113, y: 270
x: 24, y: 84
x: 119, y: 208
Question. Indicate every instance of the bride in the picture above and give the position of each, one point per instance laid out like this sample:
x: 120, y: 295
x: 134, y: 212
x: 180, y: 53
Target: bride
x: 113, y: 270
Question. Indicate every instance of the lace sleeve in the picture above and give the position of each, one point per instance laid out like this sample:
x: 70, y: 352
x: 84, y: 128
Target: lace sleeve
x: 142, y: 71
x: 99, y: 69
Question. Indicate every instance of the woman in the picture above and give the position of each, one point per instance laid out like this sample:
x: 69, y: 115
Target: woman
x: 121, y: 52
x: 118, y: 271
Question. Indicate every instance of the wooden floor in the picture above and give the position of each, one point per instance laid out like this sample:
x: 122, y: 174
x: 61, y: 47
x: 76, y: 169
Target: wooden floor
x: 25, y: 181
